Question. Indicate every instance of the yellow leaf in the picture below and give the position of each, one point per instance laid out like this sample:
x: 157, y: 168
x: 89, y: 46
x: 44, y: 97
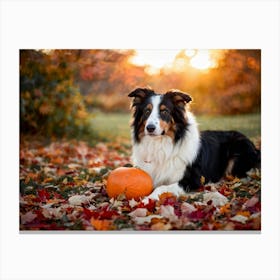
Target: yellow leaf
x: 65, y: 181
x: 225, y: 208
x: 202, y: 180
x: 47, y: 180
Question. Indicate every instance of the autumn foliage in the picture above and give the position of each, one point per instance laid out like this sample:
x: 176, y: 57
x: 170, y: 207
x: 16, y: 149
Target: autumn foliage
x: 64, y: 185
x: 60, y: 89
x: 73, y: 184
x: 51, y: 102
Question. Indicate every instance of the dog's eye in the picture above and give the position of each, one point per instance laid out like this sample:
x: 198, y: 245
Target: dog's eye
x: 147, y: 112
x: 164, y: 113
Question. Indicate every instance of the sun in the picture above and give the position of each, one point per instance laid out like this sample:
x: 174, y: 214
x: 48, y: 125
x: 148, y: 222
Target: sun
x: 154, y: 60
x: 202, y: 60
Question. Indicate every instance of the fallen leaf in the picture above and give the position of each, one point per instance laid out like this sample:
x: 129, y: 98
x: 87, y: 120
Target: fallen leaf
x: 52, y: 213
x: 197, y: 215
x: 142, y: 220
x: 244, y: 213
x: 239, y: 218
x: 161, y: 226
x: 167, y: 211
x: 73, y: 196
x: 27, y: 217
x: 47, y: 180
x: 132, y: 203
x: 167, y: 198
x: 187, y: 208
x: 139, y: 212
x: 57, y: 160
x: 78, y: 200
x: 251, y: 202
x: 74, y: 165
x: 43, y: 195
x: 202, y: 180
x: 225, y: 208
x: 229, y: 226
x: 217, y: 198
x: 101, y: 224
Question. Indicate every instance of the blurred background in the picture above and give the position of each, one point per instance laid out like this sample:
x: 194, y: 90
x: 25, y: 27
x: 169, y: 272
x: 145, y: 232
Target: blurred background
x: 83, y: 93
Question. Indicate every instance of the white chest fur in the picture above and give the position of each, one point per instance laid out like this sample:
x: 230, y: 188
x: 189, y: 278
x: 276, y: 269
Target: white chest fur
x: 162, y: 159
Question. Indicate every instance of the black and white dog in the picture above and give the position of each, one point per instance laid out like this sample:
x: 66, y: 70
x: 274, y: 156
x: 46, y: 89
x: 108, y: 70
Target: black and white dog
x: 168, y: 145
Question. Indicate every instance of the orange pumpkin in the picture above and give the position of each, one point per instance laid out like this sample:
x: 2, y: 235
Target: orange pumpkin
x: 130, y: 181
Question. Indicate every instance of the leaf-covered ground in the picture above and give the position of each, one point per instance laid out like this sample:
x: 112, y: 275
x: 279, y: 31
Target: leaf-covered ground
x: 63, y: 187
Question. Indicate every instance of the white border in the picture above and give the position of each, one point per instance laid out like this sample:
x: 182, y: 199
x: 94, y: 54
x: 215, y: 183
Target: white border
x: 159, y: 25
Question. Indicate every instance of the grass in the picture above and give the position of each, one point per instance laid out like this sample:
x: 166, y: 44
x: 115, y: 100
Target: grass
x: 116, y: 125
x: 112, y: 125
x: 249, y: 124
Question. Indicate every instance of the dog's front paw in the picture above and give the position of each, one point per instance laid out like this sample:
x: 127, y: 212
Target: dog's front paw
x: 153, y: 196
x: 173, y: 188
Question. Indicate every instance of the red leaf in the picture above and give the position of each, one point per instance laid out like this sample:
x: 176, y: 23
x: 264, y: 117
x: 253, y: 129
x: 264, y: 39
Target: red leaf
x: 197, y: 215
x: 108, y: 214
x: 224, y: 190
x: 88, y: 213
x: 103, y: 213
x: 43, y: 195
x: 150, y: 206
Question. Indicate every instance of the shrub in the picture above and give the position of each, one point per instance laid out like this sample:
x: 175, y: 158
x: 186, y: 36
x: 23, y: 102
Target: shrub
x: 50, y: 102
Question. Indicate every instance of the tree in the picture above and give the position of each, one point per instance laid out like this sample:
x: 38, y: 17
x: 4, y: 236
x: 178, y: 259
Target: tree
x: 50, y: 102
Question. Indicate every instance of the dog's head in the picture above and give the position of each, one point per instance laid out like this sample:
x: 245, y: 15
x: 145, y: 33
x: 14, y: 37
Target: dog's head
x: 158, y: 115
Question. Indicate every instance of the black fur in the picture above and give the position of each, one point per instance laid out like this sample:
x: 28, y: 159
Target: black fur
x: 217, y: 149
x: 141, y: 96
x: 177, y: 114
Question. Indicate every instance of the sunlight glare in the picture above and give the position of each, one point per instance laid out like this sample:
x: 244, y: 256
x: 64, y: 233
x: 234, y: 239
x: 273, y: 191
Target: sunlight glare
x: 190, y: 52
x: 154, y: 59
x: 202, y: 60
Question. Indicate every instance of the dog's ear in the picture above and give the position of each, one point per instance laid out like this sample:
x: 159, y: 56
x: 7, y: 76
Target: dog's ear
x: 179, y: 98
x: 140, y: 94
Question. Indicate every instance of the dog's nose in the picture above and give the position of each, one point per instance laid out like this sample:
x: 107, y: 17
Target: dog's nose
x: 151, y: 127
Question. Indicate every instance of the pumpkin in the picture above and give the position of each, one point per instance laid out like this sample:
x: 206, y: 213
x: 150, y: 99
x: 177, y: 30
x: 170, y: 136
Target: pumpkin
x: 130, y: 181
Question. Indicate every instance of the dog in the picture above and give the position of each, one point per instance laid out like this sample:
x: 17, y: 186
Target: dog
x: 167, y: 144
